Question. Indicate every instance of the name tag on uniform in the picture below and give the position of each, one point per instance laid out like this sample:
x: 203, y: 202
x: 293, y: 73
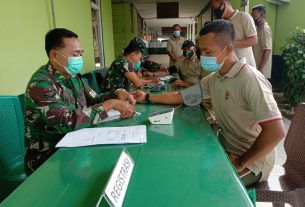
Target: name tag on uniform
x: 116, y: 188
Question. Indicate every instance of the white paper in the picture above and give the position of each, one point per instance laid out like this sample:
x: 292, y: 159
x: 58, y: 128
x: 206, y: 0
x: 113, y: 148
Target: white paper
x: 165, y: 78
x: 112, y: 115
x: 104, y: 135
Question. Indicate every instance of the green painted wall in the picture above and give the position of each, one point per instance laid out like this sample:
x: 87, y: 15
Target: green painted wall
x: 106, y: 10
x: 76, y: 16
x: 236, y: 4
x: 24, y: 24
x: 288, y: 17
x: 122, y: 32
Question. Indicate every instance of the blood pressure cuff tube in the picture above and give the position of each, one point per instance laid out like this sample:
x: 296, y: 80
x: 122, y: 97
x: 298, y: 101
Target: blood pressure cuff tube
x: 192, y: 96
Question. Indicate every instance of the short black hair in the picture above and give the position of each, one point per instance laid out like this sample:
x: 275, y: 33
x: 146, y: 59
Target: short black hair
x: 176, y: 25
x: 135, y: 45
x: 260, y: 8
x: 54, y: 38
x: 223, y: 30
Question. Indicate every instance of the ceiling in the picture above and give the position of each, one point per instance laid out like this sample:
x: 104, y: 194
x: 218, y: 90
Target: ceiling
x: 188, y: 9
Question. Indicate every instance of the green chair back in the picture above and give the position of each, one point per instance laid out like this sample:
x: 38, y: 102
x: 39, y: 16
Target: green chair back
x: 95, y: 79
x: 12, y: 149
x: 99, y: 76
x: 92, y: 81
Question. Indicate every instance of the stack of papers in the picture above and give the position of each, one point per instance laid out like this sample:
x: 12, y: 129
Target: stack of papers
x: 104, y: 135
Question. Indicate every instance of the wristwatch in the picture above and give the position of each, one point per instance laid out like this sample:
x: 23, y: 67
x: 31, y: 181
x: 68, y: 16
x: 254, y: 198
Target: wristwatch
x: 147, y: 98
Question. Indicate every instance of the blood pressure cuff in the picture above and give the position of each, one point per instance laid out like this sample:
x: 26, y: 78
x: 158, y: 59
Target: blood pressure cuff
x: 192, y: 96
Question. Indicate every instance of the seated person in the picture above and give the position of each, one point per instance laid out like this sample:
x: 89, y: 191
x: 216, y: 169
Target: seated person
x: 250, y: 121
x: 122, y: 72
x: 188, y: 69
x: 55, y: 99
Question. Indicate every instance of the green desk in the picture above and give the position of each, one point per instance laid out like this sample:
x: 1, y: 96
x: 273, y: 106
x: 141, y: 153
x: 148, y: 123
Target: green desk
x: 182, y: 164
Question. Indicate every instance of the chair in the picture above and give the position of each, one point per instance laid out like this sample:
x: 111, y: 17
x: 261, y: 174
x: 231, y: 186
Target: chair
x: 99, y: 76
x: 287, y: 183
x: 91, y: 77
x: 11, y: 144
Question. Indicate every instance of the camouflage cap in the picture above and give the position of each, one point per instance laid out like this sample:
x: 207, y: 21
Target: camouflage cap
x: 151, y: 66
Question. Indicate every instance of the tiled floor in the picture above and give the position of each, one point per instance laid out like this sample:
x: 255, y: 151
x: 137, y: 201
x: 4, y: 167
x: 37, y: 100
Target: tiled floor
x: 264, y: 204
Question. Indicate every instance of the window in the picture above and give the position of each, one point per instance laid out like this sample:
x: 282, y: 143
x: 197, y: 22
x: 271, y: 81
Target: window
x: 97, y: 34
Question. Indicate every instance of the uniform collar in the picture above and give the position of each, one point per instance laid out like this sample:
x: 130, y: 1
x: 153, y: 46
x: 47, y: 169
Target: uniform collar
x: 234, y: 14
x: 58, y: 76
x: 235, y: 69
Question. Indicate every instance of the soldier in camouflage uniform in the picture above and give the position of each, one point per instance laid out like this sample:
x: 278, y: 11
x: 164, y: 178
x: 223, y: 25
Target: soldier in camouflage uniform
x: 122, y: 72
x: 56, y: 101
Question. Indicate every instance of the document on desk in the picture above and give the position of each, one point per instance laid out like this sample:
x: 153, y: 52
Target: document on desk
x: 104, y: 135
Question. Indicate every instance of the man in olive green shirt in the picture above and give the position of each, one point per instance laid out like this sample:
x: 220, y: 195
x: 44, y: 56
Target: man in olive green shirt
x: 189, y: 69
x: 174, y: 45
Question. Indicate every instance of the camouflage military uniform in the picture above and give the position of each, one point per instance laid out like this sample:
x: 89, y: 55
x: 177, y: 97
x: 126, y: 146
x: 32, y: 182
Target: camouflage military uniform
x: 115, y: 76
x: 55, y: 106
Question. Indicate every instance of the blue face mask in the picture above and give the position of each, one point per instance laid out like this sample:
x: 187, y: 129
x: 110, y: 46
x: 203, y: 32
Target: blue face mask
x: 176, y: 33
x: 75, y: 65
x: 137, y: 66
x: 210, y: 63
